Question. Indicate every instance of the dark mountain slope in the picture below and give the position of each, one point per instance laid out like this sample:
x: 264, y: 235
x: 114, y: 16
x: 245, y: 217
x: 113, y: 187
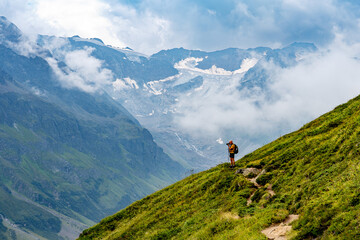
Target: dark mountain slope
x: 67, y: 158
x: 314, y: 172
x: 84, y: 168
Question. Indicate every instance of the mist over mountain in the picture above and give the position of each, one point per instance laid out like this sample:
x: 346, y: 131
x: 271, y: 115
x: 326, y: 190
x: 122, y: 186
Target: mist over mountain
x: 195, y: 100
x: 160, y: 90
x: 68, y: 157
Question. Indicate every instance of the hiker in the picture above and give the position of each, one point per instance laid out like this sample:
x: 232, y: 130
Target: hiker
x: 233, y: 149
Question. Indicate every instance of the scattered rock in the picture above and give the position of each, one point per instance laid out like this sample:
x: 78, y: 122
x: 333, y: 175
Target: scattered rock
x: 279, y: 231
x: 257, y: 173
x: 248, y: 171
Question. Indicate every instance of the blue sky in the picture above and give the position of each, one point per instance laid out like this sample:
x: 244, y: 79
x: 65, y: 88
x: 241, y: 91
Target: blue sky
x: 151, y: 25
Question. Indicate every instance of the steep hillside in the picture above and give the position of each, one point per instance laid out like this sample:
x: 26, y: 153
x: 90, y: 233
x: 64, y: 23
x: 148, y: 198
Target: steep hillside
x: 313, y: 172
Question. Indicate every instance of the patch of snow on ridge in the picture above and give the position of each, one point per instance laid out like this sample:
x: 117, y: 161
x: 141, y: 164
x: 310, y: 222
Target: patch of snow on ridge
x: 188, y: 63
x: 167, y: 79
x: 125, y: 83
x: 91, y: 40
x: 153, y: 90
x: 217, y: 71
x: 131, y: 83
x: 119, y: 84
x: 246, y: 64
x: 130, y: 54
x: 152, y: 84
x: 199, y: 88
x: 191, y: 63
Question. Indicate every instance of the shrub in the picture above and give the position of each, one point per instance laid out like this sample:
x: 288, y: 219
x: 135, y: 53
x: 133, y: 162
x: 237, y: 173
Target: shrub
x: 257, y: 195
x: 264, y: 179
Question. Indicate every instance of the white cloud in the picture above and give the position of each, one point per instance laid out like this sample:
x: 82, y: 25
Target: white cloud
x: 140, y: 30
x: 82, y: 71
x: 295, y: 96
x: 75, y: 17
x: 24, y: 47
x: 151, y: 25
x: 115, y: 23
x: 317, y: 85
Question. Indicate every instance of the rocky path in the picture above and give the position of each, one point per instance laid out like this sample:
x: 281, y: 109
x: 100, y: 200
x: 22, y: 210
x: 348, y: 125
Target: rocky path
x: 279, y: 231
x: 274, y: 232
x: 258, y: 172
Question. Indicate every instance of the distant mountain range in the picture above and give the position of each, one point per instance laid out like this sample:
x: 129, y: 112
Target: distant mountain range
x: 67, y: 157
x: 158, y: 89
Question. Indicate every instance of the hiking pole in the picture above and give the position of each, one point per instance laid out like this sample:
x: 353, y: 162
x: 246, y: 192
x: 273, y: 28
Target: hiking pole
x: 227, y: 144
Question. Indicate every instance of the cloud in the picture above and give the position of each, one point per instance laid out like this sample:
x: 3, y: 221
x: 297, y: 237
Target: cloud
x: 75, y: 17
x: 295, y: 96
x: 79, y: 69
x: 116, y: 24
x: 151, y: 25
x: 24, y: 47
x: 82, y: 71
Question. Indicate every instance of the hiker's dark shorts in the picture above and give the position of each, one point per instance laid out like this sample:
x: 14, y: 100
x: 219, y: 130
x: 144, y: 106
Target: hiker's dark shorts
x: 232, y: 155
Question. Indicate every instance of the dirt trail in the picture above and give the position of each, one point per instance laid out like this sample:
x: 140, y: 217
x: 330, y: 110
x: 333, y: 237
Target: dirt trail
x: 279, y: 231
x: 274, y: 232
x: 258, y: 173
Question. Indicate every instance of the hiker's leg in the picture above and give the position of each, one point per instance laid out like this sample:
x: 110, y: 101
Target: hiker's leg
x: 232, y: 155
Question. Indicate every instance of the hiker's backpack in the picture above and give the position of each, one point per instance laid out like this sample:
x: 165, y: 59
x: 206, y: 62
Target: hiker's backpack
x: 236, y: 149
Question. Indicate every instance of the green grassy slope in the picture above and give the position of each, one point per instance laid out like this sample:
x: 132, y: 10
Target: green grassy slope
x: 314, y: 172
